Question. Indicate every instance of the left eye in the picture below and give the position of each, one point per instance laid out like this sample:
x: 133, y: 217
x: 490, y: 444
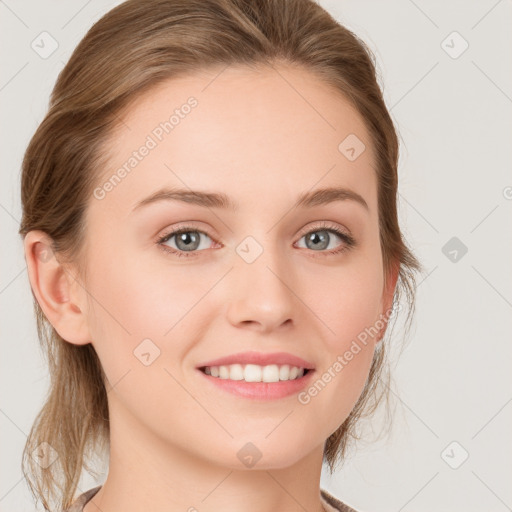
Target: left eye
x: 320, y: 239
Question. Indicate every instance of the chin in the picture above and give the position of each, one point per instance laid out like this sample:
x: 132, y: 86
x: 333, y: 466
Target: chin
x: 266, y: 454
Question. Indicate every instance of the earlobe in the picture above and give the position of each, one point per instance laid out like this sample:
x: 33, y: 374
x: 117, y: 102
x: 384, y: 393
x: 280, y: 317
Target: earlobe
x: 55, y: 289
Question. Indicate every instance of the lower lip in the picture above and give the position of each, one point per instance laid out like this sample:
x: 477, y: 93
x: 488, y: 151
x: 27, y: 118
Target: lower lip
x: 261, y: 390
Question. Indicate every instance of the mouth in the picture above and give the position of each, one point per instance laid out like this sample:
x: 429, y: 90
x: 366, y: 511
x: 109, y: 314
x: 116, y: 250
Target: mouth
x: 255, y: 382
x: 256, y: 373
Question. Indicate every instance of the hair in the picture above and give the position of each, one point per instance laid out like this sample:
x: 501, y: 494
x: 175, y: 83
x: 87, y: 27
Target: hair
x: 132, y: 48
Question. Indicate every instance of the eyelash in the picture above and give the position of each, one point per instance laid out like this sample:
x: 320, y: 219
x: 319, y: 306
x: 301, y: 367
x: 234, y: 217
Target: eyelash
x: 349, y: 241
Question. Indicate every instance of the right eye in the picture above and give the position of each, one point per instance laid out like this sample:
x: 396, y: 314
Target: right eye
x: 187, y: 240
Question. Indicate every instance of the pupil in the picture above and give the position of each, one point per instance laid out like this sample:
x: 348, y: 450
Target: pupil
x: 187, y: 240
x: 320, y: 237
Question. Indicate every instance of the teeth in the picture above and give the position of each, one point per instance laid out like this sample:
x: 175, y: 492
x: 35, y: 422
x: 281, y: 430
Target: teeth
x: 255, y: 373
x: 236, y: 372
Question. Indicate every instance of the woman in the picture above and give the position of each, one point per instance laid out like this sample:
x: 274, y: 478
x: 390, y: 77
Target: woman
x: 211, y: 234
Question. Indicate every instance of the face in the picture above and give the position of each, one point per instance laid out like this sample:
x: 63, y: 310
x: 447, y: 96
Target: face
x: 251, y: 270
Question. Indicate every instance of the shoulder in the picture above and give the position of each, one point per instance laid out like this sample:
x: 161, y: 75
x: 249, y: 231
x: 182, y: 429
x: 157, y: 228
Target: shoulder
x: 333, y: 504
x: 79, y: 504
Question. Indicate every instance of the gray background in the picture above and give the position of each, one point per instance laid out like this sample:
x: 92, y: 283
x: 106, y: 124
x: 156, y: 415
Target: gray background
x: 452, y: 384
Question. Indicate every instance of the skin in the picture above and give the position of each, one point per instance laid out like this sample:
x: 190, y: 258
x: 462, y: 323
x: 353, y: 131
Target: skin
x: 263, y: 138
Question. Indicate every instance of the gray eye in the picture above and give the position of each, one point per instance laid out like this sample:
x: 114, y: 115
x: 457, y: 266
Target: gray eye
x: 318, y: 239
x: 187, y: 241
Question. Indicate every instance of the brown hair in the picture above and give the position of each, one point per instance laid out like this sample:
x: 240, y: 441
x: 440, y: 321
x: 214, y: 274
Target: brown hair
x: 135, y: 46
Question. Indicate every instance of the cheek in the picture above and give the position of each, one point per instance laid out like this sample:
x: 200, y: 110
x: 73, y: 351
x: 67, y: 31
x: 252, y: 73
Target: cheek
x: 128, y: 314
x: 138, y: 299
x: 347, y: 303
x: 140, y: 307
x: 345, y: 300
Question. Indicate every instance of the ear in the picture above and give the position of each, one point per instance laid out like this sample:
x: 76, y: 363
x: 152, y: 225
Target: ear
x: 58, y: 293
x: 387, y: 296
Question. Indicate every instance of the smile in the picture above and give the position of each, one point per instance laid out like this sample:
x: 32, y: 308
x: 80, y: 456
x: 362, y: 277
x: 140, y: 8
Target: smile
x: 261, y: 383
x: 255, y: 373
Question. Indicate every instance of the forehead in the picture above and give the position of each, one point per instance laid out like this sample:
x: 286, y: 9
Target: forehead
x: 255, y: 128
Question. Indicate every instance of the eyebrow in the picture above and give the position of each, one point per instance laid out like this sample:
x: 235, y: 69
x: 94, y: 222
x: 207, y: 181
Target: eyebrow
x: 220, y: 200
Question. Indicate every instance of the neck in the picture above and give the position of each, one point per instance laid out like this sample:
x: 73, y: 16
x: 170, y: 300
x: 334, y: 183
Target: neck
x: 148, y: 473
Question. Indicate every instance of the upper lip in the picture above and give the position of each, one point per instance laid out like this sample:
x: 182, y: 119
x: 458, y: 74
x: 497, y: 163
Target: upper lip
x: 261, y: 359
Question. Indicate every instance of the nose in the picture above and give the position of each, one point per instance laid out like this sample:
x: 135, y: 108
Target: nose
x: 261, y: 295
